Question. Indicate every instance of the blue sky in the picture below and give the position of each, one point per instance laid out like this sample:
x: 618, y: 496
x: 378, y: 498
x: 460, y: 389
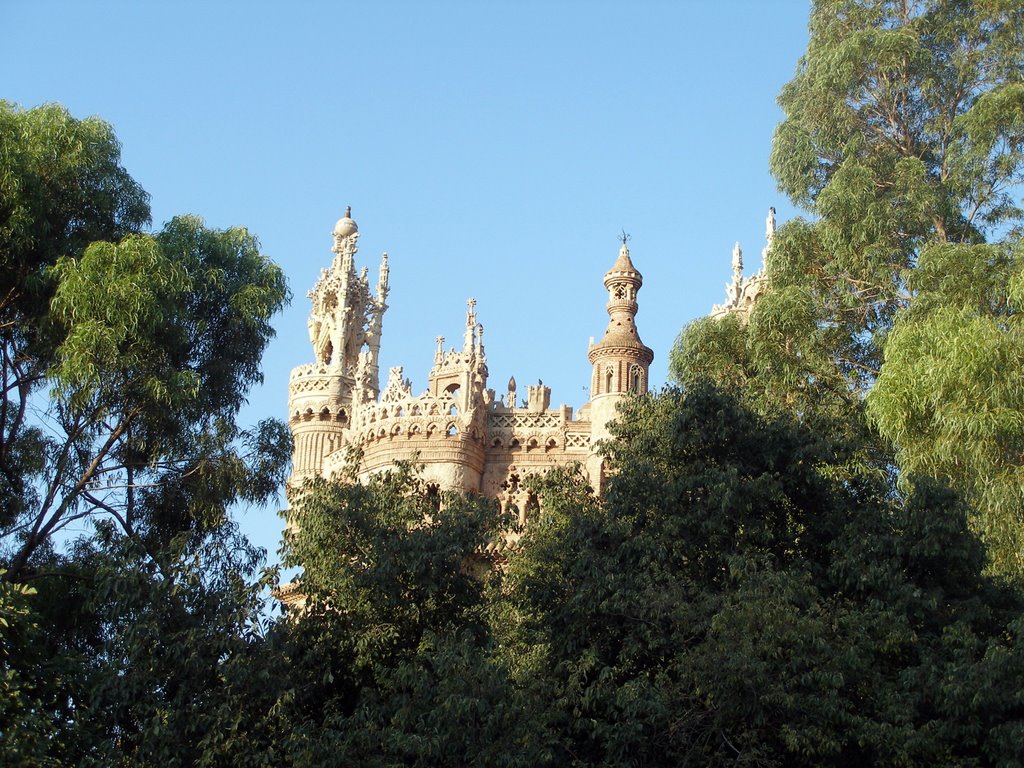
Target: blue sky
x: 493, y: 149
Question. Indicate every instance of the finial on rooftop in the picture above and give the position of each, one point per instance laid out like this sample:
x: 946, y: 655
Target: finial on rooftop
x: 346, y: 227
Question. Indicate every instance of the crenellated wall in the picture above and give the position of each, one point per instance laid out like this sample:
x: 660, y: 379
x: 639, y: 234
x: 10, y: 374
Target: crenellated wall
x: 433, y: 431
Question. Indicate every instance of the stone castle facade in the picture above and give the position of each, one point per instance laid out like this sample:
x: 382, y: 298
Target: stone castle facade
x: 464, y: 435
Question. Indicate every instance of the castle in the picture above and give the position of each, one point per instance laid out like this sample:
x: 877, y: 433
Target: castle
x: 465, y: 437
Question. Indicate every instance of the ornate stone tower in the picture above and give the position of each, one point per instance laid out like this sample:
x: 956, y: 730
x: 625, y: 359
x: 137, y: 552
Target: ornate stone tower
x: 344, y: 329
x: 621, y: 360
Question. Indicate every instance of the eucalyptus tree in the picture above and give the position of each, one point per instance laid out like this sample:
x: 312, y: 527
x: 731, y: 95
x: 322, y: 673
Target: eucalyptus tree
x: 62, y: 187
x: 892, y: 312
x: 126, y: 358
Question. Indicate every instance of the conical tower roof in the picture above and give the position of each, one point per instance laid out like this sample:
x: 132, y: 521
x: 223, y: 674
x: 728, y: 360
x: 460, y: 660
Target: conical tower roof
x: 623, y: 281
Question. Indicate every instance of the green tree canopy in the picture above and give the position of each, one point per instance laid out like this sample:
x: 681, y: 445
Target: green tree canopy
x: 62, y: 187
x: 126, y: 357
x: 391, y: 660
x: 904, y: 138
x: 730, y: 601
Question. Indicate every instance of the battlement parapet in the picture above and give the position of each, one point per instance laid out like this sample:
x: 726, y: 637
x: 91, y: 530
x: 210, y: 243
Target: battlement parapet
x: 512, y: 430
x: 454, y: 359
x: 311, y: 370
x: 314, y: 379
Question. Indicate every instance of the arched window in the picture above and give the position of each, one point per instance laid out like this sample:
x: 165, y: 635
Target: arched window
x: 636, y: 379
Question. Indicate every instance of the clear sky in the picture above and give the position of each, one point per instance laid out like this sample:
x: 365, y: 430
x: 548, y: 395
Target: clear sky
x: 493, y: 149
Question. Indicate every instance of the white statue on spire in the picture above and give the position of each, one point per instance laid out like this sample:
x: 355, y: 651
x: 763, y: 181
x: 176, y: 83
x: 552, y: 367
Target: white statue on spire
x: 769, y: 235
x: 735, y: 287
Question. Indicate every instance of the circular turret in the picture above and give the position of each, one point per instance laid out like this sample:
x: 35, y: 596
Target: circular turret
x: 448, y: 443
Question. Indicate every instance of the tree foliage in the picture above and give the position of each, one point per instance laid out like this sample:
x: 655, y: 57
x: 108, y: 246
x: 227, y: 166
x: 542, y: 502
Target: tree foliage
x: 391, y: 661
x: 26, y: 729
x: 951, y: 393
x: 126, y: 357
x: 147, y: 377
x: 729, y: 601
x: 62, y: 187
x: 904, y: 137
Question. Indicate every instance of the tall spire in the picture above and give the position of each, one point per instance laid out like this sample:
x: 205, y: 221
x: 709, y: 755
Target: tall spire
x: 469, y: 345
x: 621, y: 359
